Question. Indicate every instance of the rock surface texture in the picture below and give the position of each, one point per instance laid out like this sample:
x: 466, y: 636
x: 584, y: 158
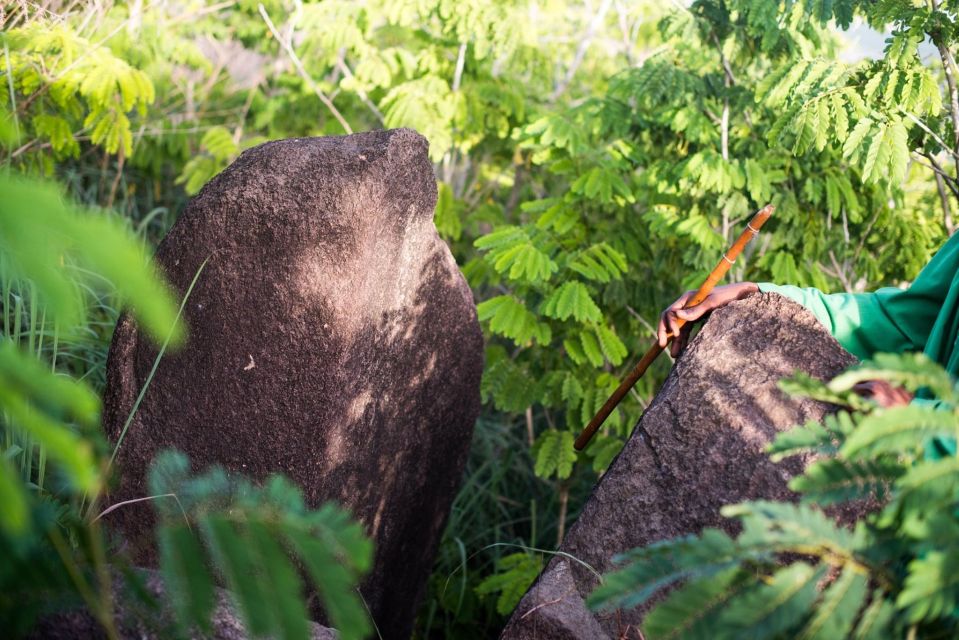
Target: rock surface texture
x: 332, y: 339
x: 698, y: 447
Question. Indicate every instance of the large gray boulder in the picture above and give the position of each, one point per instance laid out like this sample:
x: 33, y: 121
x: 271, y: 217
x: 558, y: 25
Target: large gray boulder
x: 332, y: 339
x: 699, y: 446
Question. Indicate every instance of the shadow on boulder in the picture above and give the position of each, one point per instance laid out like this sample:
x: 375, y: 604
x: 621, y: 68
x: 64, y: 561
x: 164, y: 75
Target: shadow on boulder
x: 332, y: 339
x: 699, y: 446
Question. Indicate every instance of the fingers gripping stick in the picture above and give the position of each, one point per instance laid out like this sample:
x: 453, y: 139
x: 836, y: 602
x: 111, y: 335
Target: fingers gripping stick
x: 728, y: 259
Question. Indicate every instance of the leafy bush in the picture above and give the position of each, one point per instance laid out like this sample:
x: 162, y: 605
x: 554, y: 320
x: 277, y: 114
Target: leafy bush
x: 645, y: 183
x: 51, y: 251
x: 793, y: 572
x: 592, y: 160
x: 256, y: 537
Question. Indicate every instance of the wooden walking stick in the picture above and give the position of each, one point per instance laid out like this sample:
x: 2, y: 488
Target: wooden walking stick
x: 752, y: 228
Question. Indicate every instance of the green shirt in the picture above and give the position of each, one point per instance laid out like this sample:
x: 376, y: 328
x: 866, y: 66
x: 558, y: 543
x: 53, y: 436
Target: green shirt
x: 924, y: 317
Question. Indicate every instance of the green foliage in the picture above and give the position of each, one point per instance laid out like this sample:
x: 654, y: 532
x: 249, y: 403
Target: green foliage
x: 56, y: 249
x: 905, y: 551
x: 256, y: 537
x: 510, y: 318
x: 554, y: 454
x: 52, y: 244
x: 572, y: 299
x: 591, y: 166
x: 862, y: 110
x: 89, y: 85
x: 515, y: 573
x: 639, y: 189
x: 219, y: 150
x: 55, y: 555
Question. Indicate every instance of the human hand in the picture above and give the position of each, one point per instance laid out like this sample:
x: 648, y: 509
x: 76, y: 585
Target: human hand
x: 883, y: 393
x: 719, y: 297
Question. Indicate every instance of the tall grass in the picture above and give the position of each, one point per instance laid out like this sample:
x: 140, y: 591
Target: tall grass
x: 78, y: 352
x: 502, y: 508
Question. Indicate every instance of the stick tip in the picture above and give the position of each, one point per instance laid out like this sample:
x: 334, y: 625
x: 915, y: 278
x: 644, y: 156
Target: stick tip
x: 762, y: 216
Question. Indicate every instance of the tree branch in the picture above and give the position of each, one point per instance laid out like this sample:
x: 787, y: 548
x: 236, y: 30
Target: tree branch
x: 938, y: 170
x: 949, y: 66
x: 730, y: 78
x: 302, y: 71
x: 341, y: 63
x: 924, y: 127
x: 946, y: 209
x: 581, y: 50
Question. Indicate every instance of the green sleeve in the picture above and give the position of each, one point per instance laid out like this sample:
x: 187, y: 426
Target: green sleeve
x: 888, y: 320
x: 868, y: 323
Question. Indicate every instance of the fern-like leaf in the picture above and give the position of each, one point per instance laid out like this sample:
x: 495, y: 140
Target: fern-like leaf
x: 613, y: 348
x: 814, y: 437
x: 591, y: 348
x: 514, y: 574
x: 832, y: 480
x: 897, y: 430
x: 572, y: 299
x: 912, y: 371
x: 255, y: 537
x: 931, y: 589
x: 599, y: 262
x: 874, y: 622
x: 509, y: 317
x: 554, y: 454
x: 772, y: 608
x: 661, y: 564
x: 838, y: 609
x: 693, y: 611
x: 800, y: 528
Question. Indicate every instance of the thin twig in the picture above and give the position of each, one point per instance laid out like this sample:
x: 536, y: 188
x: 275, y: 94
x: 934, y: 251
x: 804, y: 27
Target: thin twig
x: 241, y: 121
x: 936, y: 168
x: 730, y: 78
x: 341, y: 63
x: 865, y: 234
x: 643, y: 321
x: 530, y: 434
x: 584, y: 43
x: 840, y: 272
x: 946, y: 209
x: 121, y: 158
x: 79, y: 581
x: 625, y: 31
x: 569, y: 592
x: 638, y: 398
x: 193, y: 15
x: 949, y: 66
x: 922, y: 125
x: 13, y: 97
x: 302, y: 71
x: 460, y: 64
x: 563, y: 507
x: 116, y: 506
